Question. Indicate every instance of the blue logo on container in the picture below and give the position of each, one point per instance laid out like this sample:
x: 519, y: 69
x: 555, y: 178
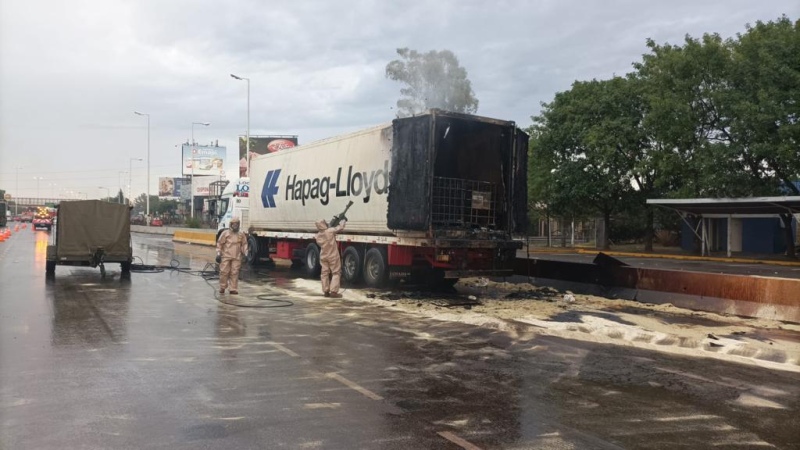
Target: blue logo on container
x: 270, y: 189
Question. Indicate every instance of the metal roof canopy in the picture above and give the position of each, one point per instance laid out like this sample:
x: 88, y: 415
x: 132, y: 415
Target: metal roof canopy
x: 731, y: 206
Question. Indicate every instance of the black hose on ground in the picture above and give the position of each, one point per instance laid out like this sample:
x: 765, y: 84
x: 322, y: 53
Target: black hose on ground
x: 209, y: 273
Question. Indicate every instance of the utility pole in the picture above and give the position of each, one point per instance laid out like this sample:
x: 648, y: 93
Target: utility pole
x: 247, y: 141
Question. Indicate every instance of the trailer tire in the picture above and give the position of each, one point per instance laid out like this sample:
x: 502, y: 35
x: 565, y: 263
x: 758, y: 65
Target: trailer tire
x: 376, y: 267
x: 312, y: 265
x: 252, y: 250
x: 352, y: 265
x: 50, y: 267
x: 125, y: 267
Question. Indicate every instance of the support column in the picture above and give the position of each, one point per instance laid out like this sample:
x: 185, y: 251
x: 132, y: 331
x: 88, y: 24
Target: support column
x: 730, y: 232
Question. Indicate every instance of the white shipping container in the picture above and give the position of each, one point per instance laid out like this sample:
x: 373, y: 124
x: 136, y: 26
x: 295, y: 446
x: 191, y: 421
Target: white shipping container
x: 316, y: 181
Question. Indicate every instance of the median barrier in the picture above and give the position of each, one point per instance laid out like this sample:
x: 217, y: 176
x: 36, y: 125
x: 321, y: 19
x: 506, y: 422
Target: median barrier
x: 200, y: 237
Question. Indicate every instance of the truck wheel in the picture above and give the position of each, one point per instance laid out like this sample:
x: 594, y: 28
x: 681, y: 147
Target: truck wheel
x: 50, y: 267
x: 252, y: 250
x: 125, y: 267
x: 312, y: 260
x: 351, y: 265
x: 376, y: 267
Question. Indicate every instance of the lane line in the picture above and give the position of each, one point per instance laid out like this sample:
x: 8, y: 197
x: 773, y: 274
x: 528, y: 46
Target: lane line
x: 466, y: 445
x: 284, y: 349
x: 353, y: 386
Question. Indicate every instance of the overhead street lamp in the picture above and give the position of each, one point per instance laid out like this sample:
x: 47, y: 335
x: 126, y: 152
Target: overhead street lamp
x: 247, y: 141
x: 148, y: 159
x: 191, y: 160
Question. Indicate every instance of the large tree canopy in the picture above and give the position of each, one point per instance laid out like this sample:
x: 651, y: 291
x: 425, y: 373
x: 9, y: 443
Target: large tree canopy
x: 708, y: 118
x: 432, y: 80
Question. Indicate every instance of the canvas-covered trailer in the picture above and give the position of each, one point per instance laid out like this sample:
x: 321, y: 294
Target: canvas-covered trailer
x: 91, y: 233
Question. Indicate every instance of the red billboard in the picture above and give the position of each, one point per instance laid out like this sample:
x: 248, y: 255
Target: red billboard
x: 261, y: 145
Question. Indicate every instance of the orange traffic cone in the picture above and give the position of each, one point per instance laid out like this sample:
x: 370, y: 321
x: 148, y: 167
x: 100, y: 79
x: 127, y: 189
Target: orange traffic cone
x: 2, y: 237
x: 16, y: 229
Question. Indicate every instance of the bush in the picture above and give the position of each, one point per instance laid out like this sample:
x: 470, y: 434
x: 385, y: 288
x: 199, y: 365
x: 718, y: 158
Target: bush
x: 193, y: 222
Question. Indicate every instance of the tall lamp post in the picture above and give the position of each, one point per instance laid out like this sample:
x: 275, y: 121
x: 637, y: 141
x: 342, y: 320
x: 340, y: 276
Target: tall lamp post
x: 191, y: 160
x: 148, y: 159
x: 130, y: 175
x: 247, y: 141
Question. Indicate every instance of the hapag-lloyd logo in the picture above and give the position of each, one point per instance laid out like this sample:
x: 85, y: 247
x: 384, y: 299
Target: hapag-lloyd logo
x: 348, y: 183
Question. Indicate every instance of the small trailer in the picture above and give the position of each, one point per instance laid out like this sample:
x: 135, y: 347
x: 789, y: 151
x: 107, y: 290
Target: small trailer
x: 91, y: 233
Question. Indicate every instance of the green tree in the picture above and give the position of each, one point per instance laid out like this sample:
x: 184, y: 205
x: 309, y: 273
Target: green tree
x: 587, y: 144
x: 140, y: 204
x: 432, y: 80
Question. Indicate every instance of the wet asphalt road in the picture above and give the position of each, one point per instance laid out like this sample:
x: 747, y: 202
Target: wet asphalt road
x: 158, y: 362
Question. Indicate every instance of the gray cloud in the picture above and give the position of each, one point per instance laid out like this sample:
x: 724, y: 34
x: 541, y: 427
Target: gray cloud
x: 71, y: 73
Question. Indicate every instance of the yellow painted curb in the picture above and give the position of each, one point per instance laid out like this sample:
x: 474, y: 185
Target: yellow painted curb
x: 195, y: 237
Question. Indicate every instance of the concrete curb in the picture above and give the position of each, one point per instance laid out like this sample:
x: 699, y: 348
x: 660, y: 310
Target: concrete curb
x: 205, y: 237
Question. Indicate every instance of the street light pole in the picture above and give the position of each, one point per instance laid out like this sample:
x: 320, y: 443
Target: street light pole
x: 247, y: 141
x: 191, y: 156
x: 148, y: 159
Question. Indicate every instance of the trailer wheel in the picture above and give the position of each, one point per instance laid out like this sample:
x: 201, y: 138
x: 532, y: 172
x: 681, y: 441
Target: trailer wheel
x: 252, y: 250
x: 313, y: 268
x: 376, y: 267
x: 125, y: 267
x: 352, y: 263
x: 50, y: 267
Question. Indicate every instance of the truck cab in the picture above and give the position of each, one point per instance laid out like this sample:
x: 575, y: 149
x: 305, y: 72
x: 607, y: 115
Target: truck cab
x: 233, y: 202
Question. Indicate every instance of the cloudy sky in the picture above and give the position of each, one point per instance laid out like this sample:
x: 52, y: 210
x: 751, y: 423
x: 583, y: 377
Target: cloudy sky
x: 72, y: 73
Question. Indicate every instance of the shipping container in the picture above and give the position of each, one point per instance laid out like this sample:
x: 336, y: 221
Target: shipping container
x: 437, y: 195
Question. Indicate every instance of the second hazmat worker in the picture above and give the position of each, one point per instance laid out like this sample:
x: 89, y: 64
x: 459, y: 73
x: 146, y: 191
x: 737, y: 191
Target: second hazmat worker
x: 231, y: 246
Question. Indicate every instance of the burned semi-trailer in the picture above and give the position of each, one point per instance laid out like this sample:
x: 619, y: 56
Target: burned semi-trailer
x: 437, y: 195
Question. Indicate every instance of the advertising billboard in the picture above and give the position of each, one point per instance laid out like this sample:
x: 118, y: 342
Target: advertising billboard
x: 174, y: 188
x: 203, y: 160
x: 200, y: 186
x: 261, y: 145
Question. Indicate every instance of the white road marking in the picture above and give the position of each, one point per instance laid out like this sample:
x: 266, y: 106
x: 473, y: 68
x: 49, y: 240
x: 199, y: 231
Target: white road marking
x: 458, y: 441
x: 354, y: 386
x: 284, y: 349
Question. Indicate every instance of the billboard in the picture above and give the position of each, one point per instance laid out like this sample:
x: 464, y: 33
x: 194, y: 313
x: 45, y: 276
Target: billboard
x: 261, y: 145
x: 203, y: 160
x: 200, y: 186
x: 174, y: 188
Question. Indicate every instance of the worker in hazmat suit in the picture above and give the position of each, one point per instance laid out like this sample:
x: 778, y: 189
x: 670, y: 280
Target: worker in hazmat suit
x: 329, y: 258
x: 232, y: 244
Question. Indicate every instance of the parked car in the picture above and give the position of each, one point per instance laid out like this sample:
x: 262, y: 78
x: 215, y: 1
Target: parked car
x: 156, y: 222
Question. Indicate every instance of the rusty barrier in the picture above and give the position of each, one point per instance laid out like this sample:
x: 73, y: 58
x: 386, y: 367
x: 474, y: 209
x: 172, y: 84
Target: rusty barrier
x: 744, y: 295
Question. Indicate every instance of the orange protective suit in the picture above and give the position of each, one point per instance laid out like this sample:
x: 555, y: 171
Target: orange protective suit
x: 231, y: 246
x: 329, y: 257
